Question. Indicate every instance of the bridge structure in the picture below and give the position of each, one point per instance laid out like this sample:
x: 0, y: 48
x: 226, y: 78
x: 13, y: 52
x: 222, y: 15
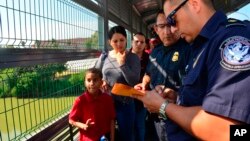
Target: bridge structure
x: 45, y: 48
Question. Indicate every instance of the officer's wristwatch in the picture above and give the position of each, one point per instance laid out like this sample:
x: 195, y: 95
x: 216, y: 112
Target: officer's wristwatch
x: 162, y: 113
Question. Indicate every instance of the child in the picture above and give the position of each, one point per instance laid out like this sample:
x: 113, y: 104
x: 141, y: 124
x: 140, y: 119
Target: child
x: 93, y: 112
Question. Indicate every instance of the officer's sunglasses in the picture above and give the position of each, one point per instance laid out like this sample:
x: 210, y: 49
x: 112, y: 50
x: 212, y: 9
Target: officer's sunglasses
x: 170, y: 20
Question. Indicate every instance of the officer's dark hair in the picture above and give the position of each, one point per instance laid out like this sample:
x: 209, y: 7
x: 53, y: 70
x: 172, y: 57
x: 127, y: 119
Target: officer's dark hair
x: 117, y: 29
x: 209, y: 3
x: 95, y: 71
x: 158, y: 13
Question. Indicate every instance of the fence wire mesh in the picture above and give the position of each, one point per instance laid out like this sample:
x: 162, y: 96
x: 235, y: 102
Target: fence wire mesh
x: 56, y: 24
x: 42, y: 88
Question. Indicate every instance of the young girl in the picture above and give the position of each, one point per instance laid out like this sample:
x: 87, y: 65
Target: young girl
x: 93, y: 112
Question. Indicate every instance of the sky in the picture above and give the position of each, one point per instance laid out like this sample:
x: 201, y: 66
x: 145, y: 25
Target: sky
x: 61, y: 22
x: 30, y: 20
x: 242, y: 14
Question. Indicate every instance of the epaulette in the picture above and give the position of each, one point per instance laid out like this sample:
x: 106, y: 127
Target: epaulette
x: 235, y: 22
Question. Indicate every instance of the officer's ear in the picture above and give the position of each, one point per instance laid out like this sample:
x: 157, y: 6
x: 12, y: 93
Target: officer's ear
x: 195, y: 5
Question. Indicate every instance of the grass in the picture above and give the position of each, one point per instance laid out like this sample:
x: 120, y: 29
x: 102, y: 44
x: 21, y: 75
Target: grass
x: 20, y: 116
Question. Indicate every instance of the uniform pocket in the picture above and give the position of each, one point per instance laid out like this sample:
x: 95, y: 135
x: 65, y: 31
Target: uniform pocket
x: 191, y: 77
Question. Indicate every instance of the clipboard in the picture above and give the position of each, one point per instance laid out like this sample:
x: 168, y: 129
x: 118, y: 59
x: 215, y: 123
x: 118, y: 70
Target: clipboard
x: 125, y: 90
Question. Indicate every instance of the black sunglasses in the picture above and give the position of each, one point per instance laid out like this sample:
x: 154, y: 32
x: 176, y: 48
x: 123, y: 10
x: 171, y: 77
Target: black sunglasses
x: 170, y: 19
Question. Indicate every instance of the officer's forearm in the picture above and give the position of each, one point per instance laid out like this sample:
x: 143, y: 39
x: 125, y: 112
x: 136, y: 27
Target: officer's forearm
x: 199, y: 123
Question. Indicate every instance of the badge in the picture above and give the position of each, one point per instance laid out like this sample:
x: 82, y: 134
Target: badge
x: 175, y: 57
x: 235, y: 53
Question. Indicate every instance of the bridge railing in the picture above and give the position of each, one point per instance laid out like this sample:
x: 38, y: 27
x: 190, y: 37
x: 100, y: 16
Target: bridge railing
x: 33, y: 98
x: 45, y: 46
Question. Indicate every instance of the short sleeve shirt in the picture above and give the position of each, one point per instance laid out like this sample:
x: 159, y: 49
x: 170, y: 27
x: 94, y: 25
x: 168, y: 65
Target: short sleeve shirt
x: 166, y: 64
x: 219, y: 73
x: 100, y: 110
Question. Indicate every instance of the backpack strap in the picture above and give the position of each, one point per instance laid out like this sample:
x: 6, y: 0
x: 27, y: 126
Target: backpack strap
x: 99, y: 63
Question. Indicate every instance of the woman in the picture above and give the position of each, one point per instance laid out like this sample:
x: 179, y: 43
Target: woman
x: 122, y: 67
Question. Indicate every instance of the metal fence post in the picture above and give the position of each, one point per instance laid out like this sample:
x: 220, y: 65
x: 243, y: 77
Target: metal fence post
x: 71, y: 132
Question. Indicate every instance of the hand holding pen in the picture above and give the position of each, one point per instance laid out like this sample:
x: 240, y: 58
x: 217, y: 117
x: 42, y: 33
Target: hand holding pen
x: 166, y: 93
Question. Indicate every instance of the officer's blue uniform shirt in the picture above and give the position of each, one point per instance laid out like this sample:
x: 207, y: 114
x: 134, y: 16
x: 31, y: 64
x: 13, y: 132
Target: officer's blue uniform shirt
x: 167, y: 64
x: 219, y: 74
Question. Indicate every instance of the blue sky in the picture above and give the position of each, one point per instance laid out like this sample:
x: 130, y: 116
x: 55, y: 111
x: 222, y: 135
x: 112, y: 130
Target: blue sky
x: 56, y: 21
x: 242, y: 14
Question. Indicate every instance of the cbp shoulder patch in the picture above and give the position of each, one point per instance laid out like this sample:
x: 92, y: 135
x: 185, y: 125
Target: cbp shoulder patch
x: 235, y: 53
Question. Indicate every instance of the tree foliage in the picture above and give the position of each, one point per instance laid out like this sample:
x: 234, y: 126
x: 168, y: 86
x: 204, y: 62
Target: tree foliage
x: 92, y: 42
x: 37, y: 81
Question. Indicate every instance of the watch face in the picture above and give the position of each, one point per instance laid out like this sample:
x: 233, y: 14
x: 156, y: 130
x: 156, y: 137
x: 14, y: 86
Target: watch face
x: 162, y: 113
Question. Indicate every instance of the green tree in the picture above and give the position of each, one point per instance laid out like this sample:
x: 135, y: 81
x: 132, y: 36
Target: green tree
x: 23, y: 44
x: 92, y: 42
x: 7, y: 81
x: 31, y: 81
x: 37, y: 43
x: 9, y: 46
x: 54, y: 42
x: 68, y: 42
